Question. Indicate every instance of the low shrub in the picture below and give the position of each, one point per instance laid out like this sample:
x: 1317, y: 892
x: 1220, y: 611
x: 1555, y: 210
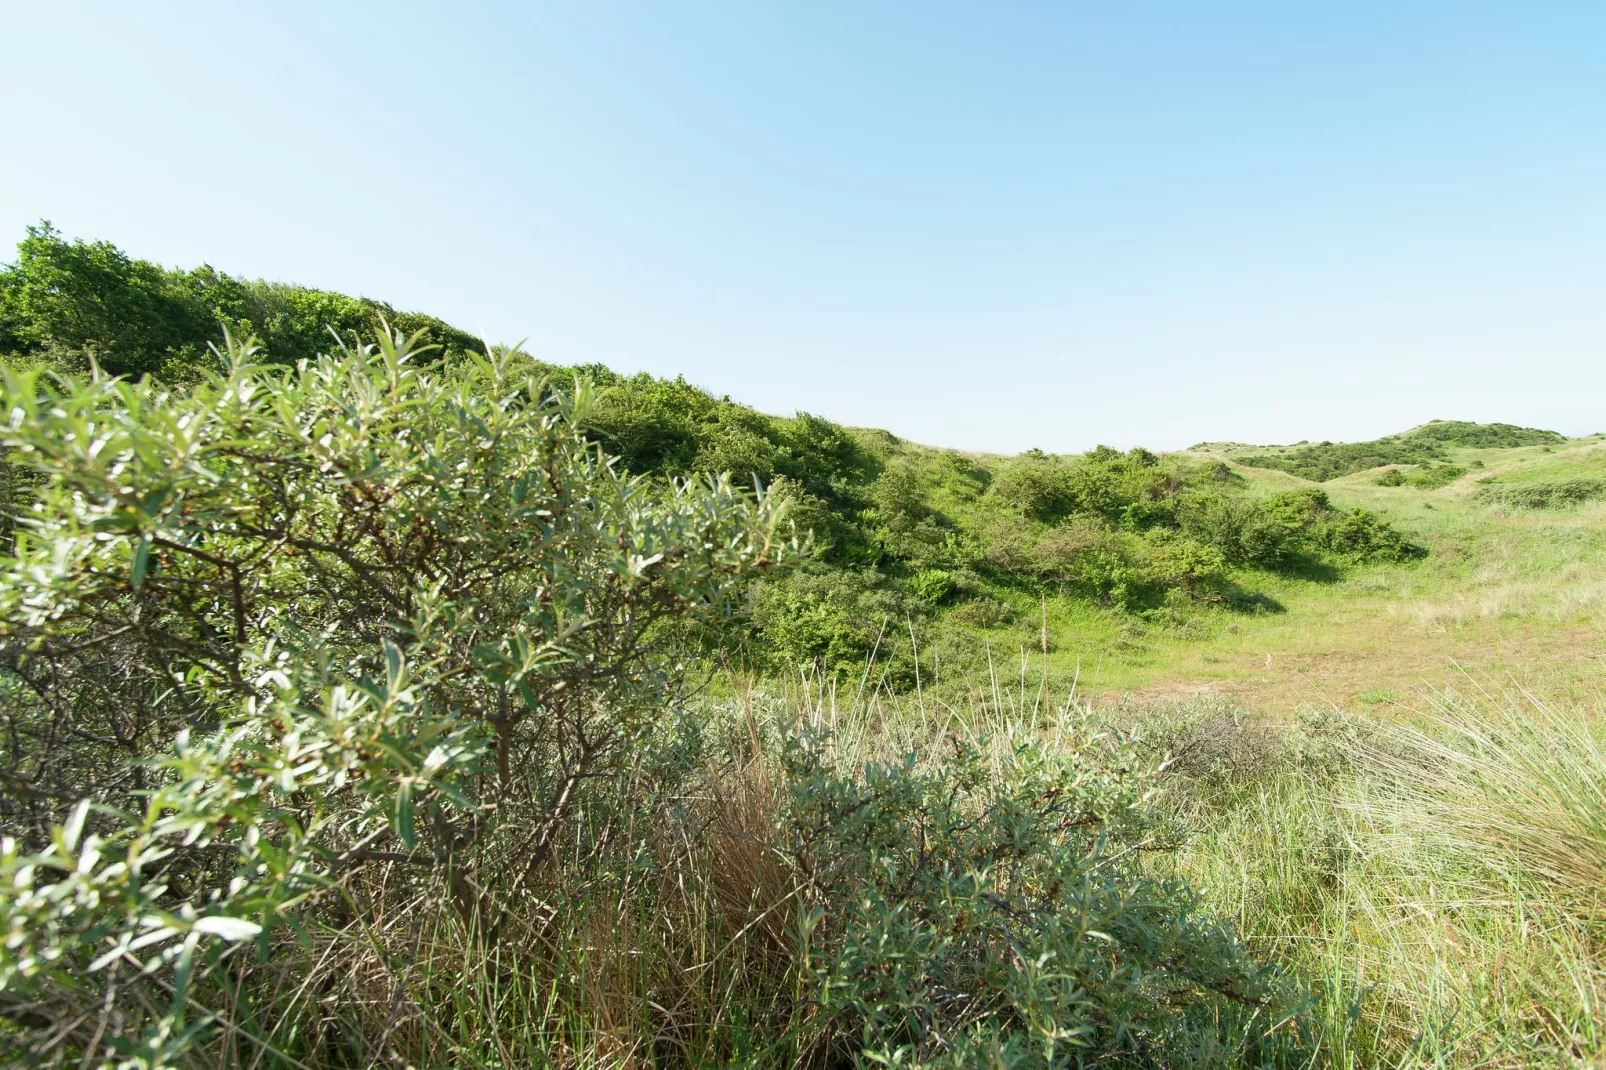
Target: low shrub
x: 991, y: 908
x: 1281, y: 530
x: 932, y: 585
x: 1549, y: 494
x: 1433, y: 476
x: 1359, y: 536
x: 1039, y: 487
x: 1177, y: 563
x: 1427, y: 476
x: 1213, y: 745
x: 984, y: 612
x: 810, y: 628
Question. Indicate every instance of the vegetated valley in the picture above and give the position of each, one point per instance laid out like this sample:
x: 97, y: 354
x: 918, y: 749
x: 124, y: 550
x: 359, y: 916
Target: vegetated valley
x: 374, y: 698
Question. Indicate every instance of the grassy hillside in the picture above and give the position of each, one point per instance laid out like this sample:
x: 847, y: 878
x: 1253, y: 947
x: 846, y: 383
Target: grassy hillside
x: 1432, y: 442
x: 967, y: 547
x: 1210, y: 568
x: 409, y: 731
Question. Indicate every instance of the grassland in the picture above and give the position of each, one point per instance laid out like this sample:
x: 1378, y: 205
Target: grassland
x: 1393, y: 778
x: 1370, y: 740
x: 1501, y: 590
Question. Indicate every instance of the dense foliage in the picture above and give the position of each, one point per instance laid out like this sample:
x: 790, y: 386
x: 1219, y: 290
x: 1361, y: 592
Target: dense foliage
x: 1484, y: 436
x: 262, y: 632
x: 900, y: 531
x: 903, y: 531
x: 992, y: 910
x: 64, y: 302
x: 1422, y: 446
x: 971, y: 540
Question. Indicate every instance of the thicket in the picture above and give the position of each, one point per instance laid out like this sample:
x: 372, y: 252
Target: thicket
x: 1485, y: 436
x: 313, y: 678
x: 260, y: 633
x: 1136, y: 533
x: 1422, y: 446
x: 988, y: 910
x: 63, y: 302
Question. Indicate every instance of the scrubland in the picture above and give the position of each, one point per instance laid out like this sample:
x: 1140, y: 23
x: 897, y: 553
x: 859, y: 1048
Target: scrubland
x: 410, y: 706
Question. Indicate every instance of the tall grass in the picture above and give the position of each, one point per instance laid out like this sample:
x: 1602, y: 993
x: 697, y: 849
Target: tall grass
x: 1434, y: 883
x: 1437, y: 880
x: 1506, y: 772
x: 1440, y: 894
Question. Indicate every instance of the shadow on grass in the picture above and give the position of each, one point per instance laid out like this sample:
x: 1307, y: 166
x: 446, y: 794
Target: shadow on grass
x: 1313, y: 569
x: 1254, y: 602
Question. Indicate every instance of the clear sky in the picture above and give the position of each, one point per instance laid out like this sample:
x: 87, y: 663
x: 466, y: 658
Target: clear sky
x: 982, y: 225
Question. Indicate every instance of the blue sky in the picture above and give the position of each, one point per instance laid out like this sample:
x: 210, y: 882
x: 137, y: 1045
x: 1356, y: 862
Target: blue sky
x: 989, y: 226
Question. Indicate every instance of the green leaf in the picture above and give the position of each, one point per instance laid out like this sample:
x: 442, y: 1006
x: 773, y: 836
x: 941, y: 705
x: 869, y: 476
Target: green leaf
x: 404, y: 813
x: 395, y: 668
x: 75, y: 825
x: 230, y: 929
x: 142, y: 561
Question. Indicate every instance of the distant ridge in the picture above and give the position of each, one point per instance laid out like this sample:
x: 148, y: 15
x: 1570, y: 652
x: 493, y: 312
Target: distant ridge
x: 1425, y: 444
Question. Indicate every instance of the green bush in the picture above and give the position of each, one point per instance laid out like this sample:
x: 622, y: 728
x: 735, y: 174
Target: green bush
x: 1392, y: 478
x: 932, y: 585
x: 991, y: 909
x: 808, y: 628
x: 1038, y: 487
x: 1060, y: 553
x: 287, y: 624
x: 653, y: 425
x: 1290, y: 527
x: 1132, y: 490
x: 984, y: 612
x: 70, y: 300
x: 1179, y: 563
x: 1548, y: 494
x: 1361, y: 536
x: 1431, y: 477
x: 1422, y: 446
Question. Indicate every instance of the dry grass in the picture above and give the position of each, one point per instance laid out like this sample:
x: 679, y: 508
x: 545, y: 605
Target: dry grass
x: 1506, y: 772
x: 1438, y: 890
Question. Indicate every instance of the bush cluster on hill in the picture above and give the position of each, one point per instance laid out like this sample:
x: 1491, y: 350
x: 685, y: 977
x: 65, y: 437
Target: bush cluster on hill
x: 1428, y: 476
x: 954, y: 536
x: 1546, y: 494
x: 66, y: 301
x: 1484, y: 436
x: 899, y: 531
x: 1423, y: 446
